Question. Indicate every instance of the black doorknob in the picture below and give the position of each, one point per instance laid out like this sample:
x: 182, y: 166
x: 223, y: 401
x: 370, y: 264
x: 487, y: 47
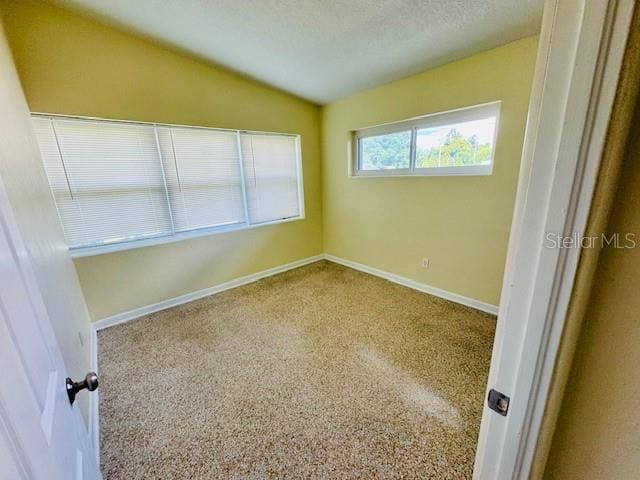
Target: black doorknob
x: 90, y: 382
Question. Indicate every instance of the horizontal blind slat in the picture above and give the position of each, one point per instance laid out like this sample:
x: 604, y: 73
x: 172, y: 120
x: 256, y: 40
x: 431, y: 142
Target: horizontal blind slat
x: 271, y: 174
x: 116, y: 182
x: 203, y: 177
x: 106, y: 179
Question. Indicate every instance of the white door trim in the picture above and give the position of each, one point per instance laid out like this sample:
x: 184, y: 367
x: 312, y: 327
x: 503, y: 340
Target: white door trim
x: 94, y: 400
x: 579, y: 58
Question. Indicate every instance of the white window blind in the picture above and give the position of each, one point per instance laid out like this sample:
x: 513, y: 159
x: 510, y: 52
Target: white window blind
x: 106, y: 178
x: 270, y: 169
x: 203, y: 177
x: 116, y: 182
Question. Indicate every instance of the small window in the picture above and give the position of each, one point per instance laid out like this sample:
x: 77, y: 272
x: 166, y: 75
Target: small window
x: 129, y: 183
x: 386, y: 151
x: 458, y: 142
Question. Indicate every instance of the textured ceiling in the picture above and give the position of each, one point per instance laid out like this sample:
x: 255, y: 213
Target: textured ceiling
x: 322, y: 50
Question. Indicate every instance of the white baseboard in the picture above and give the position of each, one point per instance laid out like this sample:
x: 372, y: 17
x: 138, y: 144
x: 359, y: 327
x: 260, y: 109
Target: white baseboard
x: 422, y: 287
x: 94, y: 398
x: 189, y: 297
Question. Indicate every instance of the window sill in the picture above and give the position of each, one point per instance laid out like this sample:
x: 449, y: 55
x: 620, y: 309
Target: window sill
x: 475, y: 170
x: 178, y: 237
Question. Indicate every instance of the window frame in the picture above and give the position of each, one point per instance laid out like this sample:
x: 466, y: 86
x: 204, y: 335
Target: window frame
x: 177, y: 236
x: 437, y: 119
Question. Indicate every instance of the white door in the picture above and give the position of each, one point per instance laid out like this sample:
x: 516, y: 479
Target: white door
x: 41, y: 435
x: 581, y: 49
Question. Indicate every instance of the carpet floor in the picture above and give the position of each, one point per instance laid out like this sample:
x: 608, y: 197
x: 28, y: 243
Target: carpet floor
x: 319, y: 372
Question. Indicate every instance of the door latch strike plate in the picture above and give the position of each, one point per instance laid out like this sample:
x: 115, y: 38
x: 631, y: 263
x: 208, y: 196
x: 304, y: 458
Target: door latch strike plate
x: 498, y: 402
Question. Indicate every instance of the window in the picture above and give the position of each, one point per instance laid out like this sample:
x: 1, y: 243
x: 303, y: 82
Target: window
x: 120, y: 184
x: 270, y: 171
x: 459, y: 142
x: 204, y: 178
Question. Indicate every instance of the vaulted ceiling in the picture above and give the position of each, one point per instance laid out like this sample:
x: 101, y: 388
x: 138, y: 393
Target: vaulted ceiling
x: 322, y: 50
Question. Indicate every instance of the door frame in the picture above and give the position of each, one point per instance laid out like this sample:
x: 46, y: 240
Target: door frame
x: 580, y: 53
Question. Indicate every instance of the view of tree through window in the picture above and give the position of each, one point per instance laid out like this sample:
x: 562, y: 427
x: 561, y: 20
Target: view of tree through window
x: 467, y: 143
x: 391, y: 150
x: 448, y: 143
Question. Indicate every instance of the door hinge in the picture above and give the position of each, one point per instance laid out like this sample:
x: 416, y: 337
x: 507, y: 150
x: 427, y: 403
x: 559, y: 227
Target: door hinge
x: 498, y: 402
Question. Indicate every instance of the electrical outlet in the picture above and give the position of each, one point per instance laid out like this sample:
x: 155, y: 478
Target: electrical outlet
x: 425, y: 263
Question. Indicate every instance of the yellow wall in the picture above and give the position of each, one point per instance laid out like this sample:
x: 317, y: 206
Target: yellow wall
x: 73, y: 65
x: 598, y: 432
x: 460, y: 223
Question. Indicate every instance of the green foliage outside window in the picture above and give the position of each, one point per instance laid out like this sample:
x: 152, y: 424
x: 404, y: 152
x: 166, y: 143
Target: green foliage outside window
x: 385, y: 151
x: 457, y: 150
x: 392, y: 151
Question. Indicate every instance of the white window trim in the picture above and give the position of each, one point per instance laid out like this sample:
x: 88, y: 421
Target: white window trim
x: 436, y: 119
x: 174, y: 237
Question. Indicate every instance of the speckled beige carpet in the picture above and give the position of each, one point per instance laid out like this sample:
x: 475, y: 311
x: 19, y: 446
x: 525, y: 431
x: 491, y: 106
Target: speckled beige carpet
x: 320, y: 372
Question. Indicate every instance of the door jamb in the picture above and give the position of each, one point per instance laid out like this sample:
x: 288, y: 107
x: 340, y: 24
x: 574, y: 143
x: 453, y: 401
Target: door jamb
x: 580, y: 53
